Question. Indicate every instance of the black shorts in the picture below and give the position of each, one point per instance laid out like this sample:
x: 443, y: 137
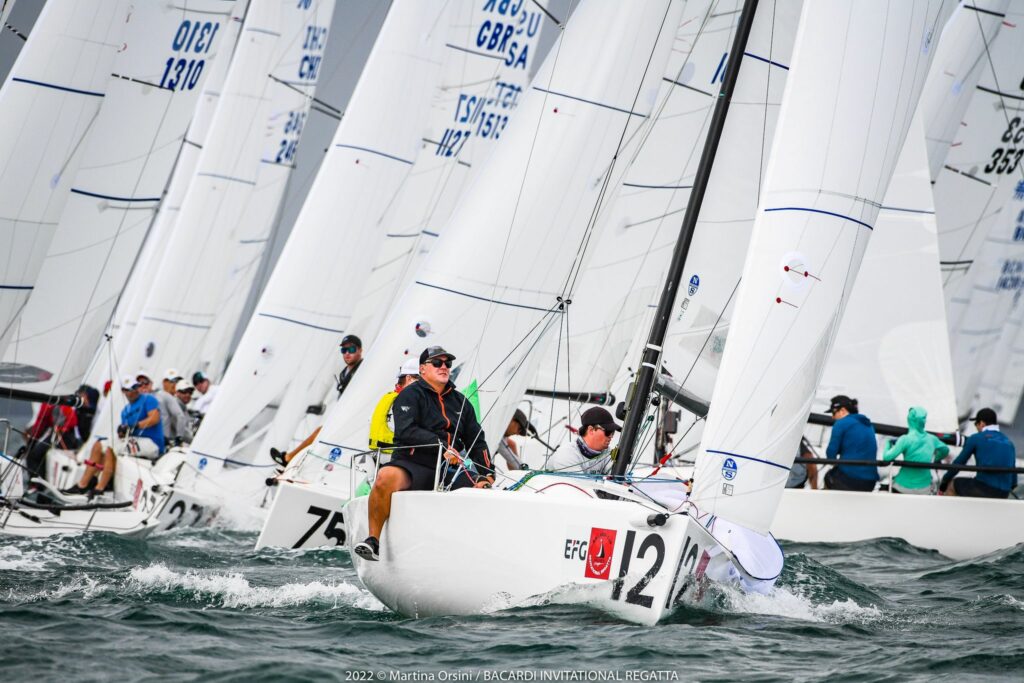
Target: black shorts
x: 972, y: 488
x: 837, y: 481
x: 423, y: 476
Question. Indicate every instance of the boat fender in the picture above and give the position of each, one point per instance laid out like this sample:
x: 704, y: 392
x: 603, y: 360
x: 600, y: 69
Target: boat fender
x: 657, y: 519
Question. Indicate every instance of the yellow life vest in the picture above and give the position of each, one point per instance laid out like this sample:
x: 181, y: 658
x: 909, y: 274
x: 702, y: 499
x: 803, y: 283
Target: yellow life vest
x: 382, y: 424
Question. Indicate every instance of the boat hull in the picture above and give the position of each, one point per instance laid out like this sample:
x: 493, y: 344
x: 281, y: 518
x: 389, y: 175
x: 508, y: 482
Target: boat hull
x: 959, y: 528
x: 473, y: 551
x: 303, y: 516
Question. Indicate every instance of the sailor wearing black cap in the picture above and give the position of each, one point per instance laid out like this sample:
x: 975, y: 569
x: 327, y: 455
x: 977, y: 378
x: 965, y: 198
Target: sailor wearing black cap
x: 990, y: 448
x: 589, y: 452
x: 431, y: 417
x: 352, y: 354
x: 853, y: 438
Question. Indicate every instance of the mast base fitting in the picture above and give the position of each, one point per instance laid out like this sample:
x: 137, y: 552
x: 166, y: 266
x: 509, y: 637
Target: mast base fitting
x: 657, y: 519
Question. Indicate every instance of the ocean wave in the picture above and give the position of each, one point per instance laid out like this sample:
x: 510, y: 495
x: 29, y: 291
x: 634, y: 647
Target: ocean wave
x: 15, y: 558
x: 782, y: 602
x: 235, y: 591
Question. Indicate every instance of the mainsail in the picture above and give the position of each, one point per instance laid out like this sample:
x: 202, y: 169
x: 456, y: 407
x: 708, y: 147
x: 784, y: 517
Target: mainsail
x: 842, y: 126
x: 48, y: 105
x: 303, y: 312
x: 126, y: 161
x: 491, y: 289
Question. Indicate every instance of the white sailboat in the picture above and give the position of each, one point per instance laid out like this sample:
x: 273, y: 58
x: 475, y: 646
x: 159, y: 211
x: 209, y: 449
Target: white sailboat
x: 48, y: 105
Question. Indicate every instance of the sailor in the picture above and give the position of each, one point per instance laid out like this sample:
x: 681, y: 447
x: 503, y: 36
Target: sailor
x: 916, y: 445
x: 853, y: 438
x: 990, y: 448
x: 508, y: 449
x: 53, y: 425
x: 589, y: 451
x: 172, y: 414
x: 88, y: 397
x: 207, y: 392
x: 140, y: 433
x: 382, y: 423
x: 431, y: 418
x: 801, y: 474
x: 145, y: 383
x: 352, y: 354
x: 183, y: 391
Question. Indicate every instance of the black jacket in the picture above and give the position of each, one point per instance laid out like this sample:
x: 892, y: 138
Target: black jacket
x: 425, y: 418
x: 345, y: 377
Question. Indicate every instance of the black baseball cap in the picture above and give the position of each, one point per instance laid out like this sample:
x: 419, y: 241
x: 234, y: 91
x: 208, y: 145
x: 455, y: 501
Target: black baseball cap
x: 351, y: 339
x: 986, y: 415
x: 599, y: 417
x: 842, y: 401
x: 198, y: 377
x: 434, y: 352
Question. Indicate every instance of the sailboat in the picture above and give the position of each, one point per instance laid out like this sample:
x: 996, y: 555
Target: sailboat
x: 721, y: 532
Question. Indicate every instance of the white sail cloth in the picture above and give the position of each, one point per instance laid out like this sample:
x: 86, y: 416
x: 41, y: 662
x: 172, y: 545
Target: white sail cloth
x: 303, y: 312
x: 232, y: 201
x: 127, y: 160
x: 48, y: 104
x: 844, y: 119
x: 489, y: 290
x: 892, y: 348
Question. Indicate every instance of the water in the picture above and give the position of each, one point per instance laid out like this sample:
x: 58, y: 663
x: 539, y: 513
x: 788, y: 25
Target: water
x: 205, y: 605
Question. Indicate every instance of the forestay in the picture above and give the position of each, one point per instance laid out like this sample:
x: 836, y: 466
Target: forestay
x: 490, y: 289
x: 892, y: 348
x: 47, y: 107
x: 127, y: 160
x: 303, y: 312
x: 841, y: 128
x: 231, y: 203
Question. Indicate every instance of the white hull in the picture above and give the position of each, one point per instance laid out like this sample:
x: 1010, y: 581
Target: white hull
x: 156, y: 505
x: 958, y: 528
x: 473, y: 551
x: 304, y: 517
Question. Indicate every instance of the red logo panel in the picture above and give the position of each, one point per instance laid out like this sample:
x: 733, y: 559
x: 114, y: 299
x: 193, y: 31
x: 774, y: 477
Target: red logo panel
x: 599, y: 553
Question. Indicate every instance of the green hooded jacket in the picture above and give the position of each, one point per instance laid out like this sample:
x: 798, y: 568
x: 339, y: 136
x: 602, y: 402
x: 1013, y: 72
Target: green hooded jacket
x: 916, y: 445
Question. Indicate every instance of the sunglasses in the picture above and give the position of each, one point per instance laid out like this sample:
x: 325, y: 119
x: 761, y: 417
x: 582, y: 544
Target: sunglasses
x: 349, y: 349
x: 437, y: 362
x: 607, y: 432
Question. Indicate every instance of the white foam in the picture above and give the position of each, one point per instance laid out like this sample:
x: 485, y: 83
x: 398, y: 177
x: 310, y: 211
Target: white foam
x: 785, y: 603
x: 234, y: 590
x: 85, y: 585
x: 14, y: 558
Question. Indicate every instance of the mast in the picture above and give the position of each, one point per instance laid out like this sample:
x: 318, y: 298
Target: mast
x: 644, y: 384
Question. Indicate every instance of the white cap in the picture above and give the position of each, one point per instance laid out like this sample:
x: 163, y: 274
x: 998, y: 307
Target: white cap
x: 172, y: 375
x: 410, y: 367
x: 183, y: 385
x: 128, y: 383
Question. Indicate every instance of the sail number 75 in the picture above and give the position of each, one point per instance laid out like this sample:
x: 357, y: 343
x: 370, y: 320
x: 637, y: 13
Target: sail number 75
x: 335, y: 529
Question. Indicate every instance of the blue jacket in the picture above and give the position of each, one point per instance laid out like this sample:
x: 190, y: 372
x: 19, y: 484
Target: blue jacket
x: 853, y: 438
x: 990, y: 449
x: 132, y: 413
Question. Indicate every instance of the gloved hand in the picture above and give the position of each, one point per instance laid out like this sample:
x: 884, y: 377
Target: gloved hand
x: 122, y: 431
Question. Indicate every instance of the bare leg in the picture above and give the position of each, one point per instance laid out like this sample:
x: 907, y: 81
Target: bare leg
x: 95, y: 455
x: 389, y: 480
x: 109, y: 466
x: 303, y: 446
x: 950, y: 490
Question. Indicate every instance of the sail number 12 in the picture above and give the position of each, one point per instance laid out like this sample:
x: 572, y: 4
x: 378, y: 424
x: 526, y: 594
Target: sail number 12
x: 195, y: 37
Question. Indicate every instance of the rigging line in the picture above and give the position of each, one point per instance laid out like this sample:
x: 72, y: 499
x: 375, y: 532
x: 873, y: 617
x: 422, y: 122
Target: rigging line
x: 15, y: 31
x: 338, y: 113
x: 711, y: 332
x: 549, y: 15
x: 581, y: 251
x: 554, y: 382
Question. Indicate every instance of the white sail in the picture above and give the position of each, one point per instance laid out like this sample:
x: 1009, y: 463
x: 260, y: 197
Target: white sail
x: 959, y: 61
x: 127, y: 159
x: 996, y: 277
x: 48, y: 105
x: 231, y: 203
x: 983, y: 164
x: 140, y: 283
x: 1009, y: 374
x: 500, y: 48
x: 303, y: 312
x: 892, y: 348
x: 489, y: 291
x: 842, y: 125
x: 481, y: 82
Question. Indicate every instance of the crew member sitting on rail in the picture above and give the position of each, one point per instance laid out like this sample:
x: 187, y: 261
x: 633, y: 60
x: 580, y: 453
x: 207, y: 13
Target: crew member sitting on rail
x: 431, y: 417
x: 382, y: 423
x: 177, y: 426
x: 990, y: 448
x: 207, y: 392
x: 853, y: 438
x: 54, y: 425
x: 916, y: 445
x: 140, y: 434
x: 589, y: 451
x: 519, y: 425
